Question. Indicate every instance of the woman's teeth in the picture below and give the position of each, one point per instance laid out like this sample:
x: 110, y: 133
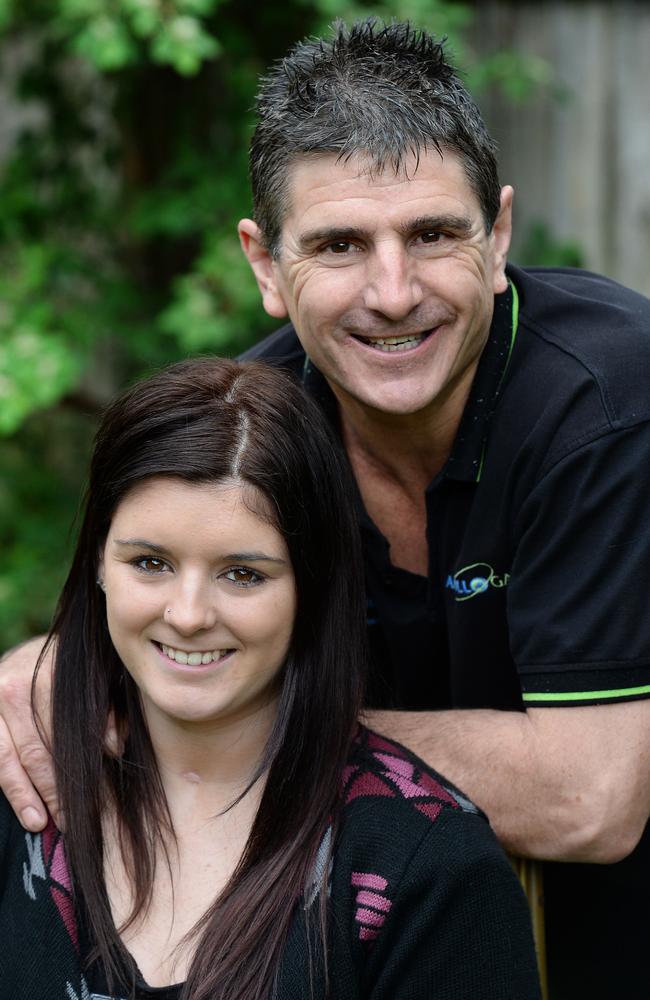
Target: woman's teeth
x: 192, y: 659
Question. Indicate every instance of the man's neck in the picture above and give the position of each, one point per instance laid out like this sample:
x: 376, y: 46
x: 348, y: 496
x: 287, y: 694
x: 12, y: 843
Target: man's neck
x: 394, y: 457
x: 409, y: 449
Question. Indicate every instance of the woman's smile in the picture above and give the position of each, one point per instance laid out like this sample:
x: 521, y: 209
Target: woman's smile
x: 193, y: 658
x: 192, y: 572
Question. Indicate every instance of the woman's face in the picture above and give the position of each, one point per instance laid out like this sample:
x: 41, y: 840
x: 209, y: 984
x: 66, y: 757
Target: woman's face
x: 200, y: 599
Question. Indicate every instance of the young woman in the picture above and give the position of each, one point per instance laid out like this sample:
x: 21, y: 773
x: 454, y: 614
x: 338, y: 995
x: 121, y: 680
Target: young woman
x: 244, y: 838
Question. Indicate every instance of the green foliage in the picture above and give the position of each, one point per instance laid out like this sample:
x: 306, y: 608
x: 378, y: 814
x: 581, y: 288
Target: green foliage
x: 120, y: 194
x: 39, y: 362
x: 118, y: 34
x: 42, y: 471
x: 542, y: 249
x: 216, y: 305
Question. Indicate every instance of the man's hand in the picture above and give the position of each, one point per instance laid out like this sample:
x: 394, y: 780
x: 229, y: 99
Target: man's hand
x: 26, y: 771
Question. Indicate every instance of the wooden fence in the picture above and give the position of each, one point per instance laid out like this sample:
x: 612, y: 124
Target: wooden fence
x: 578, y: 153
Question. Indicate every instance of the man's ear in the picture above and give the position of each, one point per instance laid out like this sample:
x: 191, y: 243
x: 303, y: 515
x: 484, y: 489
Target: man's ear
x: 259, y: 258
x: 501, y: 235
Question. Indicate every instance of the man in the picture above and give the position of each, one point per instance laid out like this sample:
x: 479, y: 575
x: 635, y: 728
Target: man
x: 498, y: 426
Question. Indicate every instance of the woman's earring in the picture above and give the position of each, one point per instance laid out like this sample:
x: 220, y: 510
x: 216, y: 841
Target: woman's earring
x: 101, y: 584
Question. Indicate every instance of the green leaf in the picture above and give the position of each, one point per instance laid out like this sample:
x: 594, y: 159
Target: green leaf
x: 6, y: 13
x: 184, y: 44
x: 80, y: 10
x: 201, y: 8
x: 216, y: 307
x: 107, y: 43
x: 35, y: 370
x: 518, y: 76
x: 145, y: 16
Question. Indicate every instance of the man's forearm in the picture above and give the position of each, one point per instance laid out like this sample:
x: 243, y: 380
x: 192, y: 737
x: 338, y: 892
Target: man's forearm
x: 565, y: 784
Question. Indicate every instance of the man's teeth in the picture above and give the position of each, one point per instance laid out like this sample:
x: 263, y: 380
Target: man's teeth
x: 192, y: 659
x: 395, y: 343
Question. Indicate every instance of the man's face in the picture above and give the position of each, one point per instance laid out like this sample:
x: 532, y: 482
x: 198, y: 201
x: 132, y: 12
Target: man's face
x: 388, y: 280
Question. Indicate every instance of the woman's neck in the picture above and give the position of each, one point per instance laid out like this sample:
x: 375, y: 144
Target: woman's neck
x: 205, y: 771
x: 209, y: 764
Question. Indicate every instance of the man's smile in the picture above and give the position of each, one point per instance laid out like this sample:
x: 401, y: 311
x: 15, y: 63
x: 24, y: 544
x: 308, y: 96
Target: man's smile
x: 407, y: 342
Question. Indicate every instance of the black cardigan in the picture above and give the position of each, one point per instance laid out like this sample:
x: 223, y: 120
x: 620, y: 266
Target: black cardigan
x: 423, y: 902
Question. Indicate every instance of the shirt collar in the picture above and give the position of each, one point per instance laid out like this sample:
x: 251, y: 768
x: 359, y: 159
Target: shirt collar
x: 466, y: 459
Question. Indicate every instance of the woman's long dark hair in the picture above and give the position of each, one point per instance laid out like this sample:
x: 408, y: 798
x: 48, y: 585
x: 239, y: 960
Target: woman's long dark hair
x: 208, y: 420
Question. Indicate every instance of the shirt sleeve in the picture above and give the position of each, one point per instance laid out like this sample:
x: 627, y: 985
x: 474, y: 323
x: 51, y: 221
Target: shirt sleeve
x: 459, y: 927
x: 578, y: 595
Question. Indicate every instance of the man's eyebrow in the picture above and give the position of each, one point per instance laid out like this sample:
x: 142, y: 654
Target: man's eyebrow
x: 329, y: 234
x: 460, y: 225
x: 244, y: 557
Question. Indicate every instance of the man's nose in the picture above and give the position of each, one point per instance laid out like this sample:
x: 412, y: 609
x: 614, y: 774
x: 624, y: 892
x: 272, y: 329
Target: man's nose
x: 191, y: 607
x: 393, y: 285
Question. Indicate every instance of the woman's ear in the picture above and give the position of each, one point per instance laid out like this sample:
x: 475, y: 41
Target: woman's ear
x: 259, y: 258
x: 100, y: 572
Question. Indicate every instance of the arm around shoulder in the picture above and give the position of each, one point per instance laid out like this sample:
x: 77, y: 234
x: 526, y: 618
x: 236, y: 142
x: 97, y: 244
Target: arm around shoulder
x: 26, y: 774
x: 570, y: 784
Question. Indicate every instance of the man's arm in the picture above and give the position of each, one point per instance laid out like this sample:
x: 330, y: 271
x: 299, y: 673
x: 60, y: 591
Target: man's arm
x: 567, y: 784
x: 25, y: 763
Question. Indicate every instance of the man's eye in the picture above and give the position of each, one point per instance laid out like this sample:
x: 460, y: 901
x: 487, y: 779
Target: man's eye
x: 340, y: 247
x: 242, y: 576
x: 149, y: 565
x: 431, y: 237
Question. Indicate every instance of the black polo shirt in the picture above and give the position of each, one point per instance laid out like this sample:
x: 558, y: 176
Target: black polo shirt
x: 537, y: 526
x: 539, y: 566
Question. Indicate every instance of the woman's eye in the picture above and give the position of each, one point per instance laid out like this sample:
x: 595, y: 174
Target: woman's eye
x: 150, y: 565
x: 243, y: 576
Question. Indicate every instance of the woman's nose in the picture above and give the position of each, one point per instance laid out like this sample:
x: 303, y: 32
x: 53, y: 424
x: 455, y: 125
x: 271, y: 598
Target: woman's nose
x: 191, y: 609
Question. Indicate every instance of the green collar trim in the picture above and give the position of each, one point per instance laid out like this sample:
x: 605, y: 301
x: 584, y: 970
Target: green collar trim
x: 513, y: 337
x: 568, y: 696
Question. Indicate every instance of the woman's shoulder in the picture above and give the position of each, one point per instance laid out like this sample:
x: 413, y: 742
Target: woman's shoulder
x: 10, y: 828
x: 418, y: 882
x: 400, y: 821
x: 31, y: 861
x: 380, y: 768
x: 37, y: 912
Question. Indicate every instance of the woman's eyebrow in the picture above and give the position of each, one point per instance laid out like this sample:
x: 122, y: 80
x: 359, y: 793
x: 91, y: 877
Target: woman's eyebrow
x: 142, y: 543
x: 252, y: 556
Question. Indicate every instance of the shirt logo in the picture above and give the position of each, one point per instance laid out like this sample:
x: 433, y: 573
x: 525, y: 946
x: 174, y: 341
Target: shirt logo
x: 470, y: 581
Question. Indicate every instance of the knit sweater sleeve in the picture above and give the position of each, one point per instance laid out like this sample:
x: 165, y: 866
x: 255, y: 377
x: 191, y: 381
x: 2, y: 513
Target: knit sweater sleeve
x: 424, y: 902
x: 40, y: 960
x: 458, y: 926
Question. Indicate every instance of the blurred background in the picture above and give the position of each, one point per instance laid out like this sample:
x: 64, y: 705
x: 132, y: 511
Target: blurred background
x: 124, y: 127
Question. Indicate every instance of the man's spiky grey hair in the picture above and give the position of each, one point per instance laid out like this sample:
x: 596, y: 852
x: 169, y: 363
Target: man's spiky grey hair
x: 384, y: 92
